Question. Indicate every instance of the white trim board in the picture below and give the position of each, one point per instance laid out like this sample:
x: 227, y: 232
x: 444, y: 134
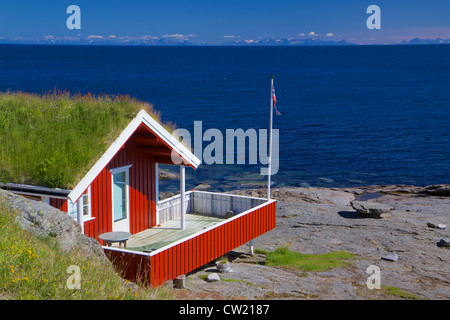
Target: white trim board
x: 153, y: 125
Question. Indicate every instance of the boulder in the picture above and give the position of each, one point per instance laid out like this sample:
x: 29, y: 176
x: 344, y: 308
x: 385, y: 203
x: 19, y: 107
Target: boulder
x: 203, y: 187
x: 369, y: 209
x: 44, y: 220
x: 166, y: 175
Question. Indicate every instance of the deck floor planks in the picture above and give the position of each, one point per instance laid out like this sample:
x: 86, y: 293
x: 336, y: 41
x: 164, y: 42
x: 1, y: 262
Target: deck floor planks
x: 168, y: 232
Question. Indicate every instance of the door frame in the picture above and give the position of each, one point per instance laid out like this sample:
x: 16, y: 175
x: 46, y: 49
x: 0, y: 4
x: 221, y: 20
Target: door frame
x: 123, y: 224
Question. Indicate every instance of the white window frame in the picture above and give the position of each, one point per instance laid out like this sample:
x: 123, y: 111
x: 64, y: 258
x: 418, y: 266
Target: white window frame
x: 72, y: 207
x: 88, y: 205
x: 123, y: 223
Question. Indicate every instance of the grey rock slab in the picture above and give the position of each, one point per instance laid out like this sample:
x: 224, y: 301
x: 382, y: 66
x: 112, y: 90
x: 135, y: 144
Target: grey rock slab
x: 371, y: 209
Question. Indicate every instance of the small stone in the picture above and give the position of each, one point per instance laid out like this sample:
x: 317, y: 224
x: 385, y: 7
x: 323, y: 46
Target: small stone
x: 391, y: 256
x: 434, y: 225
x: 444, y: 243
x: 213, y: 277
x: 229, y: 214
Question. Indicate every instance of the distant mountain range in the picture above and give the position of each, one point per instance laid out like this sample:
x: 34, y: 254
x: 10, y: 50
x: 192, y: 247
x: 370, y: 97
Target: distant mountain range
x: 184, y: 41
x: 427, y: 41
x: 287, y: 42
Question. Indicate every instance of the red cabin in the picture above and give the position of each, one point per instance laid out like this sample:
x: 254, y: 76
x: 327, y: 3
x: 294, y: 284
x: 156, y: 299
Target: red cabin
x: 167, y: 239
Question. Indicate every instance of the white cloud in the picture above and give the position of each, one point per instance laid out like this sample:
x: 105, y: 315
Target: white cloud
x: 179, y: 36
x: 230, y: 36
x: 312, y: 33
x: 95, y: 37
x: 330, y: 34
x: 149, y: 37
x: 301, y: 34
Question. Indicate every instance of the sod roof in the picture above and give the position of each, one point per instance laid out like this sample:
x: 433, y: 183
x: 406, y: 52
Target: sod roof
x: 53, y: 140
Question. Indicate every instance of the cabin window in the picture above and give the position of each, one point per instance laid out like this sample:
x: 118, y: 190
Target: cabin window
x: 120, y: 198
x: 73, y: 210
x: 85, y: 204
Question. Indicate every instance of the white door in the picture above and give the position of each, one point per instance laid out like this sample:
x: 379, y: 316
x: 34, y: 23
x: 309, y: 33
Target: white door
x: 120, y: 203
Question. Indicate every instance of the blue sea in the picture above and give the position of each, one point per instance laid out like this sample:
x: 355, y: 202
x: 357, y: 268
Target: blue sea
x: 350, y: 115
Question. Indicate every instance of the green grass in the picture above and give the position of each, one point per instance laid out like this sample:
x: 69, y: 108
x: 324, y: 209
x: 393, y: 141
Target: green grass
x: 308, y: 262
x: 261, y: 251
x: 33, y: 268
x: 399, y: 293
x: 52, y: 140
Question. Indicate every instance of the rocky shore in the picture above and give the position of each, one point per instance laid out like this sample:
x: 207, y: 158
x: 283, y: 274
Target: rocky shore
x: 404, y: 243
x: 407, y: 240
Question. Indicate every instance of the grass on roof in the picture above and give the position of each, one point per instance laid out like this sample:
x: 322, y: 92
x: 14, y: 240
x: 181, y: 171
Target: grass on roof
x: 53, y: 140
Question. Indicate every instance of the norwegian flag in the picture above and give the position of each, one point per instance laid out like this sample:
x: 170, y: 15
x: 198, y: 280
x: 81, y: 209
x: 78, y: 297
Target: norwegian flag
x: 274, y: 98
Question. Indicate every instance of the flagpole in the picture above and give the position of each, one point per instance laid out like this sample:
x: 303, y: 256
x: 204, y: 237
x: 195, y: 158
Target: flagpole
x: 270, y: 139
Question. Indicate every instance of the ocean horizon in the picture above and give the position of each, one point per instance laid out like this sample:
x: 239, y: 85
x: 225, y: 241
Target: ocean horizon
x: 350, y: 115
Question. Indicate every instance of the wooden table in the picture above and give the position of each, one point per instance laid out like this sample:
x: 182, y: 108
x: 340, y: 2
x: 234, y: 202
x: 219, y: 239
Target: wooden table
x: 115, y: 236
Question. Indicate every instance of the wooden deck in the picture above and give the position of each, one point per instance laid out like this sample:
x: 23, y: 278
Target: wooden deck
x: 169, y: 232
x: 181, y: 252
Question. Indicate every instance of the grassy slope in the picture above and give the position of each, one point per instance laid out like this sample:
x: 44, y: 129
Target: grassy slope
x: 53, y: 140
x: 33, y: 268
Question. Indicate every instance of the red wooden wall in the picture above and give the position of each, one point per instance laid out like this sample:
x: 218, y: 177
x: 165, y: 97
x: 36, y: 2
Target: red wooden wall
x: 142, y: 192
x: 60, y: 204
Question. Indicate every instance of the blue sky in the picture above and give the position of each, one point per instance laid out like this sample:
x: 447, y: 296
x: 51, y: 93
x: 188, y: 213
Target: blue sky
x: 218, y: 20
